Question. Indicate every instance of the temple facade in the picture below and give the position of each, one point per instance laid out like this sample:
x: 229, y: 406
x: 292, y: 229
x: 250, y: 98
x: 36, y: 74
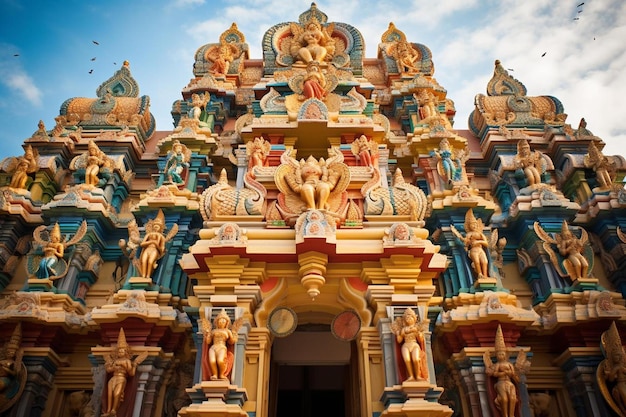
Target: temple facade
x: 316, y: 236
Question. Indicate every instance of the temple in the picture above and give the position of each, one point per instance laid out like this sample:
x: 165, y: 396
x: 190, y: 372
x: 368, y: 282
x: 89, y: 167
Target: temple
x: 318, y: 235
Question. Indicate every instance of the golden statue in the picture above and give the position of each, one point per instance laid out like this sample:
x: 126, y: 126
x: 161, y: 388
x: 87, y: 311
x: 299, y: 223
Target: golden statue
x: 52, y: 265
x: 12, y: 370
x: 319, y: 184
x: 405, y: 56
x: 574, y: 261
x: 312, y: 42
x: 20, y: 168
x: 602, y: 165
x: 217, y: 355
x: 96, y: 164
x: 152, y: 246
x: 121, y: 365
x: 222, y: 56
x: 475, y: 243
x: 410, y: 332
x: 530, y: 162
x: 611, y: 373
x: 508, y: 375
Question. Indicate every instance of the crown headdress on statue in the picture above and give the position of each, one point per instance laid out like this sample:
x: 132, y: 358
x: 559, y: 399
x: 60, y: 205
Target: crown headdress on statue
x: 500, y: 346
x: 121, y: 339
x: 222, y: 315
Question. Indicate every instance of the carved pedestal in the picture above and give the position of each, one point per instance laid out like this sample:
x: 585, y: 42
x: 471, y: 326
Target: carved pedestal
x: 411, y: 399
x: 215, y: 398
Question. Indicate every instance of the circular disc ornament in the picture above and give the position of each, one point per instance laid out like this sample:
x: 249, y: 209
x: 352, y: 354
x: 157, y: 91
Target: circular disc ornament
x: 346, y: 326
x: 282, y: 321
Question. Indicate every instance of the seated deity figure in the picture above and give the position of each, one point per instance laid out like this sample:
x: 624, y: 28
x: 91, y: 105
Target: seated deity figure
x: 602, y: 165
x: 311, y: 43
x: 530, y: 162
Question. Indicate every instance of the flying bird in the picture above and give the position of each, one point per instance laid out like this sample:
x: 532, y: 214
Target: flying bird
x: 544, y: 54
x: 96, y: 42
x: 93, y: 59
x: 16, y: 54
x: 576, y: 18
x: 580, y: 11
x: 580, y: 4
x: 510, y: 69
x: 90, y: 71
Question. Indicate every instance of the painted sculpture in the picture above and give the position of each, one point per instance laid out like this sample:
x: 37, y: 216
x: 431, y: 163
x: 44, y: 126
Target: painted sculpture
x: 602, y: 166
x: 217, y: 355
x: 12, y: 370
x: 611, y: 373
x: 410, y: 332
x: 177, y: 161
x: 476, y: 244
x: 531, y: 163
x: 47, y: 260
x: 574, y: 259
x: 121, y: 365
x: 21, y: 167
x: 145, y: 253
x: 507, y: 375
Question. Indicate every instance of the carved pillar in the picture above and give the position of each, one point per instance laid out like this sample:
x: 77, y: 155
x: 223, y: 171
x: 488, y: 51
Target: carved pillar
x: 373, y: 372
x: 579, y: 365
x: 473, y: 381
x: 41, y: 366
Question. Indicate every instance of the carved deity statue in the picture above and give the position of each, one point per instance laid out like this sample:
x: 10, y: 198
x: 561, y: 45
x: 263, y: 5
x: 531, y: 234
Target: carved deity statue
x: 257, y: 151
x: 476, y: 244
x: 450, y: 162
x: 121, y: 365
x: 602, y: 165
x: 574, y: 259
x: 405, y: 55
x: 507, y: 374
x: 317, y: 184
x: 365, y: 150
x: 198, y: 102
x: 177, y: 160
x: 611, y: 373
x: 145, y: 253
x: 96, y: 164
x: 531, y: 163
x: 409, y: 331
x: 312, y: 42
x: 222, y: 56
x: 52, y: 246
x: 21, y: 167
x: 12, y: 370
x: 217, y: 355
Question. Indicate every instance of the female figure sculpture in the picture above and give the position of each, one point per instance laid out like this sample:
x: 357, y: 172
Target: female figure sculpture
x: 95, y: 160
x: 153, y: 244
x: 216, y: 358
x: 475, y: 243
x: 314, y: 82
x: 507, y: 375
x: 122, y: 367
x: 410, y: 333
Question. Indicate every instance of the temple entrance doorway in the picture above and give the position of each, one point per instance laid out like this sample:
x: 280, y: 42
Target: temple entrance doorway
x: 313, y: 374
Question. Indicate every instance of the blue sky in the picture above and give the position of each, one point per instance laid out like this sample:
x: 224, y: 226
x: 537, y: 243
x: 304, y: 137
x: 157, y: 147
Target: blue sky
x: 584, y: 63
